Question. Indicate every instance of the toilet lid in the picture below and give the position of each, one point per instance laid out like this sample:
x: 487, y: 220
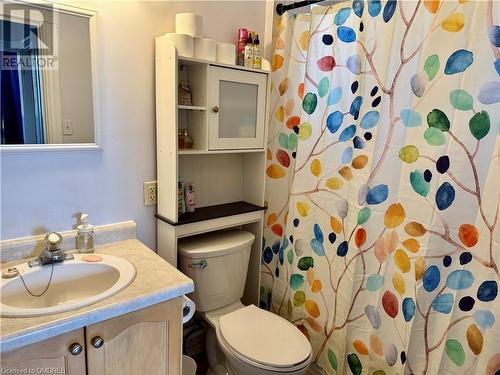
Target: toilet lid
x: 264, y: 337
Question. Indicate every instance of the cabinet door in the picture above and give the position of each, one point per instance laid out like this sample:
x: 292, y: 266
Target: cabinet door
x: 51, y: 356
x: 237, y: 109
x: 146, y: 341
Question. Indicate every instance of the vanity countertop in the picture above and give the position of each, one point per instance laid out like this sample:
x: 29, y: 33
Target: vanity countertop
x: 155, y: 281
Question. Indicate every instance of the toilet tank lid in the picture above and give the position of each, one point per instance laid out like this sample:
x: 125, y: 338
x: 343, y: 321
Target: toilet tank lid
x: 215, y: 243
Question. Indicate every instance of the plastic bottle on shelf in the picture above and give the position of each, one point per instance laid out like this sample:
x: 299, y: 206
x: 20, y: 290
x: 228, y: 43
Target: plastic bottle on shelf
x: 180, y: 139
x: 249, y: 51
x: 242, y: 39
x: 257, y: 53
x: 190, y: 198
x: 188, y: 141
x: 181, y: 201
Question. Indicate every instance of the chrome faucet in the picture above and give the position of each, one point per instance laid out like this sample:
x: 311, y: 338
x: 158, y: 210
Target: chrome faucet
x: 52, y: 253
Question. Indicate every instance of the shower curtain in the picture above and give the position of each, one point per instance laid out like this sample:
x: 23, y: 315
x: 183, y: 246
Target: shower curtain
x: 381, y: 241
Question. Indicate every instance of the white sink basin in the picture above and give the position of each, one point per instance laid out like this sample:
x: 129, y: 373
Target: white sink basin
x: 75, y: 283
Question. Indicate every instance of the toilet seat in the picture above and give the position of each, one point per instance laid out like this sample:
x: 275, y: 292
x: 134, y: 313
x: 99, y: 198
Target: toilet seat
x: 253, y: 335
x: 257, y: 366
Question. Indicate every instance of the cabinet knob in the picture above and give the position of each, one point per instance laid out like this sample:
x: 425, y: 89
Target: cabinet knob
x: 75, y: 349
x: 215, y: 109
x: 97, y: 342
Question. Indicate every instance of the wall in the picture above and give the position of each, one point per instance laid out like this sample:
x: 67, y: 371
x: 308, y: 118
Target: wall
x: 43, y: 191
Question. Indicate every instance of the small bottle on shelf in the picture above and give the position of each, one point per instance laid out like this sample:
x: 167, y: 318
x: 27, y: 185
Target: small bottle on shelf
x: 180, y: 139
x: 188, y: 141
x: 181, y: 200
x: 249, y: 51
x: 242, y: 39
x: 190, y: 198
x: 257, y: 53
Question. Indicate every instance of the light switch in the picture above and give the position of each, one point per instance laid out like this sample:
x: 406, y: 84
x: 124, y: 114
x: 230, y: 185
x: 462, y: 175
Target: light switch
x: 67, y: 127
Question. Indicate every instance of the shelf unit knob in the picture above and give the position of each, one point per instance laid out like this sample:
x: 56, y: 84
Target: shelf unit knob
x: 215, y: 109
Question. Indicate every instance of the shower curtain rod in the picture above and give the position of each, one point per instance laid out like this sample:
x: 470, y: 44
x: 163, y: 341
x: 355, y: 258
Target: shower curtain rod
x: 282, y: 8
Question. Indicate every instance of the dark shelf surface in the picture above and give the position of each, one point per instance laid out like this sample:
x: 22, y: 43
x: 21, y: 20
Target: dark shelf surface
x: 214, y: 212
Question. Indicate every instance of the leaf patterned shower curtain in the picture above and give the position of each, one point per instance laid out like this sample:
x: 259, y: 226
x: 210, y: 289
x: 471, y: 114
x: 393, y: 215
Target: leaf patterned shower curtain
x: 381, y: 240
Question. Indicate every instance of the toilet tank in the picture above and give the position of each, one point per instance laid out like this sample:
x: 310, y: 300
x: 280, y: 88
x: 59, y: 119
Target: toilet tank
x: 217, y: 262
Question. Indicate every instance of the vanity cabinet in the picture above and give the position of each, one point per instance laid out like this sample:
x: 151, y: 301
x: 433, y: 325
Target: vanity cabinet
x: 237, y: 109
x: 146, y: 341
x: 64, y: 354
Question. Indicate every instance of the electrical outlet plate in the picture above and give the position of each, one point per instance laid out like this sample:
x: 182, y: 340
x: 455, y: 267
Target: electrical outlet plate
x: 150, y: 193
x: 67, y: 127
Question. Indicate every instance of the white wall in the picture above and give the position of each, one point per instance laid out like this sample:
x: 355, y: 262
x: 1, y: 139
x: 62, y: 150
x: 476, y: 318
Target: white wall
x: 43, y: 191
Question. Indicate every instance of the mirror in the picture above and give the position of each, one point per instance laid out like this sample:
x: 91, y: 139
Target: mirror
x: 49, y: 77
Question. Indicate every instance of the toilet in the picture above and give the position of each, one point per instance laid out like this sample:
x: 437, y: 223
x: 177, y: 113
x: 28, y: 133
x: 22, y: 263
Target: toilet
x: 242, y: 340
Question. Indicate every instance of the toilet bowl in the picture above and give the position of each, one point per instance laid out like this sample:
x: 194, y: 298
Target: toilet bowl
x: 242, y: 340
x: 255, y: 341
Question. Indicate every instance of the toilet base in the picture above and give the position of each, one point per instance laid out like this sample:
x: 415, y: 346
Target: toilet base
x: 218, y: 362
x: 223, y: 362
x: 215, y: 356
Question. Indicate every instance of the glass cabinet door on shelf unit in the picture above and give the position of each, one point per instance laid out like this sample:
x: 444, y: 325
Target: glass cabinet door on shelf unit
x: 237, y: 109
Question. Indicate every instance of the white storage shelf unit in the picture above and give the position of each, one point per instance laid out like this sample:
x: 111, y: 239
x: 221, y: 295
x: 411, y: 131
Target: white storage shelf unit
x: 227, y: 161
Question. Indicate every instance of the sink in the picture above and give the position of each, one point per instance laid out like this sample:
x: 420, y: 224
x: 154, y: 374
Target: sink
x: 75, y: 283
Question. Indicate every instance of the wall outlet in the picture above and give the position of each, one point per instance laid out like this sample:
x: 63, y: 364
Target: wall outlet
x: 67, y: 127
x: 150, y: 193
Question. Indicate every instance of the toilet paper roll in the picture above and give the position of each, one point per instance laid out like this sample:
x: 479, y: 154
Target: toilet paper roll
x: 189, y: 23
x: 204, y: 49
x: 226, y: 53
x: 188, y: 309
x: 184, y: 44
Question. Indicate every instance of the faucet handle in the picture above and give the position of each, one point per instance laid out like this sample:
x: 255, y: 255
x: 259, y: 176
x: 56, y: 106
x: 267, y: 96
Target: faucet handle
x: 53, y: 241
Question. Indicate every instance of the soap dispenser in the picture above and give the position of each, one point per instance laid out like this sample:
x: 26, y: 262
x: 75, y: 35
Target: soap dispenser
x: 85, y: 239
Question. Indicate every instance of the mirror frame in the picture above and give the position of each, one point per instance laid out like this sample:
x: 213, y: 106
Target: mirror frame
x: 96, y: 81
